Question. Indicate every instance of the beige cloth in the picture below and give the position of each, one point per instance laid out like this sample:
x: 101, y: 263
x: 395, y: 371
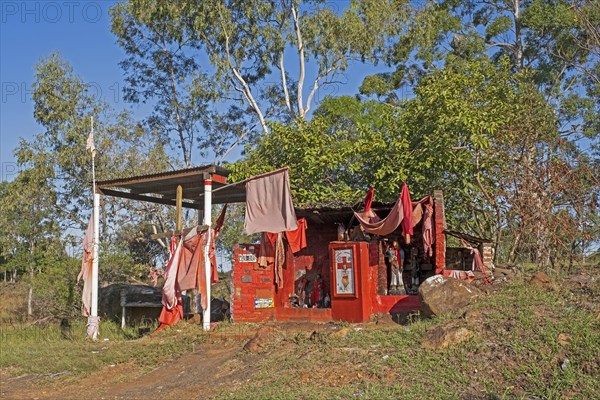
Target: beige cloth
x: 86, y: 268
x: 170, y: 289
x: 382, y: 227
x: 269, y: 206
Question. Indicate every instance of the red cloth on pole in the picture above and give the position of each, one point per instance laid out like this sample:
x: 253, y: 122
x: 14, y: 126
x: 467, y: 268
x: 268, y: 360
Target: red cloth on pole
x: 369, y: 199
x: 407, y: 222
x: 220, y: 221
x: 297, y: 237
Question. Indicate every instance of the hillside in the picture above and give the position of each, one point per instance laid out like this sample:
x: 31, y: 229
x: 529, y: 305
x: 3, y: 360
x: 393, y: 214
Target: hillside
x: 528, y: 341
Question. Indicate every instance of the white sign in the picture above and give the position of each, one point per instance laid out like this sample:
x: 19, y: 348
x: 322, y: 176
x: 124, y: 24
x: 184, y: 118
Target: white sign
x: 247, y: 258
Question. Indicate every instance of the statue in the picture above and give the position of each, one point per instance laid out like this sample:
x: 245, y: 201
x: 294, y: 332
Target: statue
x: 395, y: 257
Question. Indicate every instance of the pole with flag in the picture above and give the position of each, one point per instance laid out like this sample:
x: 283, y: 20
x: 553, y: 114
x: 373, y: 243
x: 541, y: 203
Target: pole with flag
x: 93, y: 320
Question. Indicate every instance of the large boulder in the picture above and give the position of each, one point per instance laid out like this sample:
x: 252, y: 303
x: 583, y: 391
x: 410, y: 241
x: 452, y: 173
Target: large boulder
x: 542, y: 280
x: 440, y: 295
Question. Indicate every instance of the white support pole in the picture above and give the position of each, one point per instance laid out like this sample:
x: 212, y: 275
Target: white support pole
x: 207, y: 269
x: 93, y: 322
x: 94, y: 308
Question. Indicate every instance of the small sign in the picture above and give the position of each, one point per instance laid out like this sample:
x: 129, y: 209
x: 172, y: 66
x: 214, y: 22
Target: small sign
x: 263, y: 302
x: 246, y: 279
x: 247, y: 258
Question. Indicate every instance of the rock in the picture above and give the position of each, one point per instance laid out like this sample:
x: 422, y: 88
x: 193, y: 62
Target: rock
x: 445, y: 336
x: 440, y: 295
x: 563, y: 339
x: 384, y: 319
x: 262, y: 337
x: 475, y: 316
x: 542, y: 280
x: 342, y: 333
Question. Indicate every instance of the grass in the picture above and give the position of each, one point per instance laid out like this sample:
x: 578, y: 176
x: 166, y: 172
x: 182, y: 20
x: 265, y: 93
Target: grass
x: 22, y: 347
x: 523, y: 337
x: 515, y: 354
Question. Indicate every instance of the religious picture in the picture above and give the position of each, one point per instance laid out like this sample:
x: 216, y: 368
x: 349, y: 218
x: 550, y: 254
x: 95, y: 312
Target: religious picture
x: 344, y: 271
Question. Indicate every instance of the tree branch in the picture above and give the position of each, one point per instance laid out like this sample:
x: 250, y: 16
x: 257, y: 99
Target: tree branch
x: 300, y: 45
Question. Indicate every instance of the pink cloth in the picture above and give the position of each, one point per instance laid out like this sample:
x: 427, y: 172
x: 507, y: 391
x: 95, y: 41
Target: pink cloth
x: 266, y: 251
x: 279, y: 260
x: 371, y: 222
x: 207, y: 236
x: 458, y: 274
x: 428, y: 228
x: 86, y: 268
x: 417, y: 213
x: 477, y: 262
x: 407, y: 222
x: 190, y: 261
x: 269, y: 206
x: 170, y: 289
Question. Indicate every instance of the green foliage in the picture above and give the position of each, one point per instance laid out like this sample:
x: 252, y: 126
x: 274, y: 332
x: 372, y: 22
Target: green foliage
x: 515, y: 353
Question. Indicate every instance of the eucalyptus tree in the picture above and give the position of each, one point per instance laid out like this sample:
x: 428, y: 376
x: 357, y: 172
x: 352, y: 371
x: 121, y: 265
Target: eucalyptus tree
x: 229, y: 62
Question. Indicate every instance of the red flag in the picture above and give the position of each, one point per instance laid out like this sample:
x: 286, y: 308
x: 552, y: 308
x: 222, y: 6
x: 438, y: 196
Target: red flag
x: 369, y: 199
x: 407, y: 223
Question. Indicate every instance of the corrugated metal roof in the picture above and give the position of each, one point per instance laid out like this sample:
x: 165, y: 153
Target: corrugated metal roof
x: 162, y: 187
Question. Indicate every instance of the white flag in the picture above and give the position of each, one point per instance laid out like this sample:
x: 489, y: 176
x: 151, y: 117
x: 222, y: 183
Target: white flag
x: 90, y: 143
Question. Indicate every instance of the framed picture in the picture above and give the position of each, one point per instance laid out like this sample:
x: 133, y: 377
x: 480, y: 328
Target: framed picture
x: 344, y: 272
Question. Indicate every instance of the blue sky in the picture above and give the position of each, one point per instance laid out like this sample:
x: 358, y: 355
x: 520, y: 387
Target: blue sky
x: 80, y: 31
x: 31, y: 30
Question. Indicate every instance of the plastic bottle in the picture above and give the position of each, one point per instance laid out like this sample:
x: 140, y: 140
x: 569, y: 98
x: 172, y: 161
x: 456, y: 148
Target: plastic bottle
x: 341, y: 231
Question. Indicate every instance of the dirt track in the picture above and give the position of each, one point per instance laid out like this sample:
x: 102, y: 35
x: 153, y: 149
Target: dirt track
x: 194, y: 375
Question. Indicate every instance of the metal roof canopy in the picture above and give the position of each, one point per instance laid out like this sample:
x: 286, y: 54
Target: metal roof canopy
x: 161, y: 188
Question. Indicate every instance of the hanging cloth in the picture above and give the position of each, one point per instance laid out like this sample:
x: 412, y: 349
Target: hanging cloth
x: 369, y: 199
x: 297, y: 237
x: 428, y: 237
x: 170, y: 289
x: 477, y: 262
x: 269, y: 206
x: 279, y: 260
x: 407, y: 223
x: 266, y: 251
x: 371, y: 222
x: 220, y: 221
x: 86, y: 268
x: 190, y: 260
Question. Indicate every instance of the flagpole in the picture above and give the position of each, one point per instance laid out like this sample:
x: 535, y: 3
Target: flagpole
x: 93, y: 321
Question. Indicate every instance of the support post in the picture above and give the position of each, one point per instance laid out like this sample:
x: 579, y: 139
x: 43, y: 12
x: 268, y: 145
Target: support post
x: 207, y: 269
x: 94, y: 307
x: 179, y: 201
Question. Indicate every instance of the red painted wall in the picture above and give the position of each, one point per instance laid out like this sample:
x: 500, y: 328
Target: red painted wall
x: 250, y: 282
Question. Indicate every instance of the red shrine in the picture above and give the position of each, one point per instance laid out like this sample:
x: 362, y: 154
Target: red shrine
x: 337, y: 277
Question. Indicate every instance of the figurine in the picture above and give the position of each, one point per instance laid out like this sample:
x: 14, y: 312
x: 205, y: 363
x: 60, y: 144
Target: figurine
x: 394, y: 254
